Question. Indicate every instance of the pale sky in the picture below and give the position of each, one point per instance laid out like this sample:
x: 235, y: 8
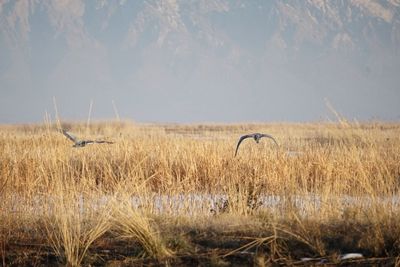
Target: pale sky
x: 199, y: 61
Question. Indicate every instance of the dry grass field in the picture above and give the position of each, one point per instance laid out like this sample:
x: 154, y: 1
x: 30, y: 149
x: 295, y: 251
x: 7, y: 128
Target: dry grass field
x: 175, y: 195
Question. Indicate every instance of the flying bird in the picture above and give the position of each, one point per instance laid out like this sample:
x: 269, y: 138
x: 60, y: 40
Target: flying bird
x: 82, y: 143
x: 256, y: 136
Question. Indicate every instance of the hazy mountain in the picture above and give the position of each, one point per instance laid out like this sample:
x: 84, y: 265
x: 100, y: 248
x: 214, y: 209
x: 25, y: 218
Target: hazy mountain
x: 205, y: 60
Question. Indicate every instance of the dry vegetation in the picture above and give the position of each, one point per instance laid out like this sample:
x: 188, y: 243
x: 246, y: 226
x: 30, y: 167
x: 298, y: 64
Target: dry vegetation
x: 176, y: 195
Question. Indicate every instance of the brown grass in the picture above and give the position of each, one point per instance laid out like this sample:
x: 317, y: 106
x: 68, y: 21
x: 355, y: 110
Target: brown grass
x: 134, y: 225
x: 144, y: 188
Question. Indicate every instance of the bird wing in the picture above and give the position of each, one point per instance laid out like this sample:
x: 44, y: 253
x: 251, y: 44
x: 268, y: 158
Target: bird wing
x: 270, y: 136
x: 103, y: 142
x: 70, y: 136
x: 240, y: 141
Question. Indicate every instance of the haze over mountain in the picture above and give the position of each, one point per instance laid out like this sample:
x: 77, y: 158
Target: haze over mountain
x: 200, y: 60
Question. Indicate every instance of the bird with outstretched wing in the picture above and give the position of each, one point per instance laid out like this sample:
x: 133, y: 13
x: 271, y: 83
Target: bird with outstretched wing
x: 256, y: 136
x: 82, y: 143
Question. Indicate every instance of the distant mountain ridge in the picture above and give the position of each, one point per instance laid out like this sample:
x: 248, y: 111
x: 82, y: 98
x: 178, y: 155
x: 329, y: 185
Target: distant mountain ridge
x: 342, y: 24
x: 179, y: 48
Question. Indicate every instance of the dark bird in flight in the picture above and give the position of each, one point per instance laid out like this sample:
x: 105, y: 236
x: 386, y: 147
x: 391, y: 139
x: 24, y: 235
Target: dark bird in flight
x: 256, y: 136
x: 82, y: 143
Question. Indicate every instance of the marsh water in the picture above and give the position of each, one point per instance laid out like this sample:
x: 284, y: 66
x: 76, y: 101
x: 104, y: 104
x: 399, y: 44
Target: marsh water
x: 192, y: 204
